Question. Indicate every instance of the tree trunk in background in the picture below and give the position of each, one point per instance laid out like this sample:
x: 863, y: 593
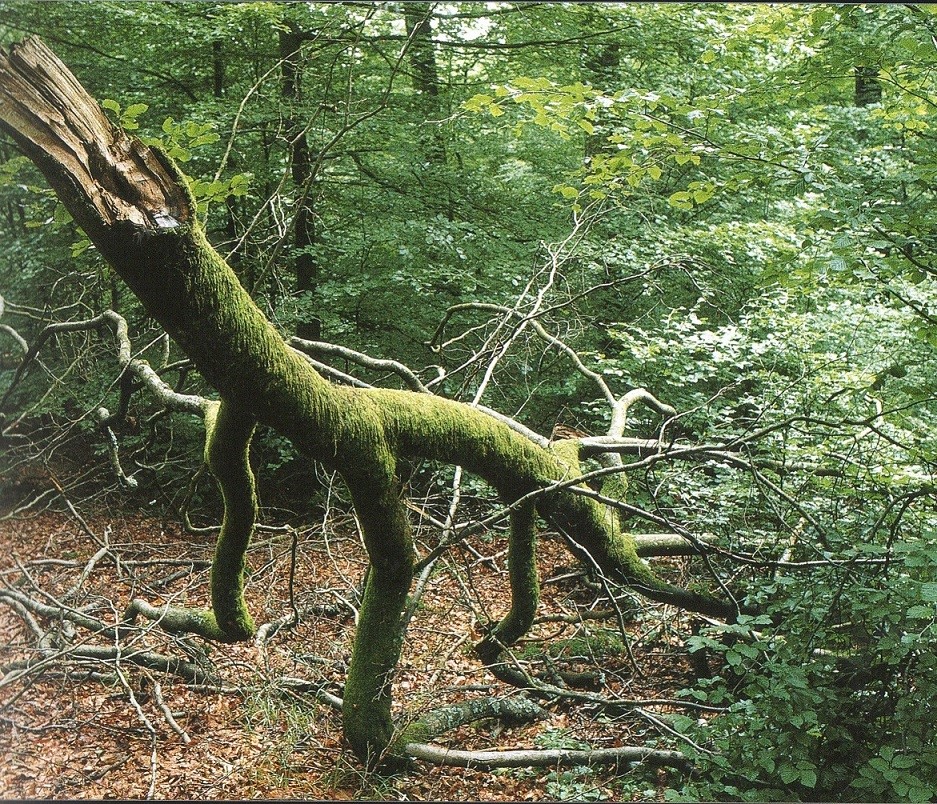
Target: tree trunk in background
x: 302, y: 166
x: 231, y: 203
x: 425, y: 76
x: 426, y: 79
x: 602, y: 67
x: 868, y: 88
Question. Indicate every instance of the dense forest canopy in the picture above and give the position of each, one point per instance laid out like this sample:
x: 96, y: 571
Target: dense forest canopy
x: 537, y: 208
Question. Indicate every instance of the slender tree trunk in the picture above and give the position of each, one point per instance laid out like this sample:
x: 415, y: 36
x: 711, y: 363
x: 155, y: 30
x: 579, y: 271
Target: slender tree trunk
x: 868, y: 89
x: 602, y: 67
x: 217, y: 65
x: 302, y: 165
x: 425, y: 79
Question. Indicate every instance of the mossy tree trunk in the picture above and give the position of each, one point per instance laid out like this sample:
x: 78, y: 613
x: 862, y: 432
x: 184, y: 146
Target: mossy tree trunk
x: 136, y: 208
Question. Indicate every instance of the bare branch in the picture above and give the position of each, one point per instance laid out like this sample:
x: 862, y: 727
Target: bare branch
x: 558, y: 757
x: 323, y: 349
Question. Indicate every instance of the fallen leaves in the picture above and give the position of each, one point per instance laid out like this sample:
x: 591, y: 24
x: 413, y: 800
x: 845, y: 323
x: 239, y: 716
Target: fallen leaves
x: 78, y: 737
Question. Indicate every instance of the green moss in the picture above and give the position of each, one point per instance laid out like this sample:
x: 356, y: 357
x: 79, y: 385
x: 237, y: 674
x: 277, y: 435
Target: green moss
x: 616, y: 486
x: 513, y: 710
x: 179, y: 620
x: 525, y: 587
x: 228, y: 447
x: 366, y: 709
x: 598, y: 643
x: 375, y: 490
x: 227, y: 443
x: 567, y: 450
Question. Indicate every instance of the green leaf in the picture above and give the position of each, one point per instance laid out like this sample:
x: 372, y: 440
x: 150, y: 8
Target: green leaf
x: 929, y: 592
x: 135, y: 109
x: 477, y: 102
x: 789, y: 773
x: 205, y: 139
x: 80, y: 246
x: 680, y: 200
x: 179, y: 153
x: 808, y: 778
x: 60, y: 214
x: 113, y: 105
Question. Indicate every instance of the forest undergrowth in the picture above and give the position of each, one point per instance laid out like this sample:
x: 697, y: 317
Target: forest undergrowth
x: 107, y: 729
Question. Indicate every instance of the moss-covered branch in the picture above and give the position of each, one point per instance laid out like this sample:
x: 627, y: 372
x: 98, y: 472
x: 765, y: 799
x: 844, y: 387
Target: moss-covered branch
x: 228, y: 433
x: 510, y: 711
x: 136, y: 208
x: 227, y: 445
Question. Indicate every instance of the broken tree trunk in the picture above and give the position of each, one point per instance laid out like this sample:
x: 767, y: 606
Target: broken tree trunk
x: 135, y: 206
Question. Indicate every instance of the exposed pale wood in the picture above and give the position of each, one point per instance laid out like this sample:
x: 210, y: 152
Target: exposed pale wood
x: 102, y: 175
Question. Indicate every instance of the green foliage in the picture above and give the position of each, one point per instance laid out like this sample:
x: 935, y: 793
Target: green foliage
x: 574, y: 784
x: 805, y: 722
x: 179, y: 139
x: 125, y: 118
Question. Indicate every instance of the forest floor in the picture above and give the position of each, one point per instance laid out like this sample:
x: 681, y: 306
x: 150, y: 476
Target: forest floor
x: 73, y: 729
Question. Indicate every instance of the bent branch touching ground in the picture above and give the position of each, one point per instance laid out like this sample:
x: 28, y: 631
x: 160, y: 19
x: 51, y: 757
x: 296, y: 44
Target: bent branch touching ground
x: 136, y: 207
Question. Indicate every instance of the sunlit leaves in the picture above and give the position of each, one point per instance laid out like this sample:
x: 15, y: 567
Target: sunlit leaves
x: 483, y: 103
x: 634, y: 134
x: 179, y: 139
x: 126, y: 118
x: 208, y: 191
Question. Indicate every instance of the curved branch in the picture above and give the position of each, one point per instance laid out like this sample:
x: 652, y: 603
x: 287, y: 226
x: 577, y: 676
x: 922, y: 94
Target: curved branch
x: 323, y: 349
x: 186, y: 403
x: 228, y: 434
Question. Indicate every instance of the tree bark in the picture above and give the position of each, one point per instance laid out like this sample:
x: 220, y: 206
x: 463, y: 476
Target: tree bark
x: 550, y: 758
x: 136, y: 208
x: 422, y: 55
x: 302, y: 166
x: 868, y: 89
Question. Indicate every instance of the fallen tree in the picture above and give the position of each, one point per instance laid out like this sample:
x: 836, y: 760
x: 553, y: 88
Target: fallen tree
x: 136, y: 208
